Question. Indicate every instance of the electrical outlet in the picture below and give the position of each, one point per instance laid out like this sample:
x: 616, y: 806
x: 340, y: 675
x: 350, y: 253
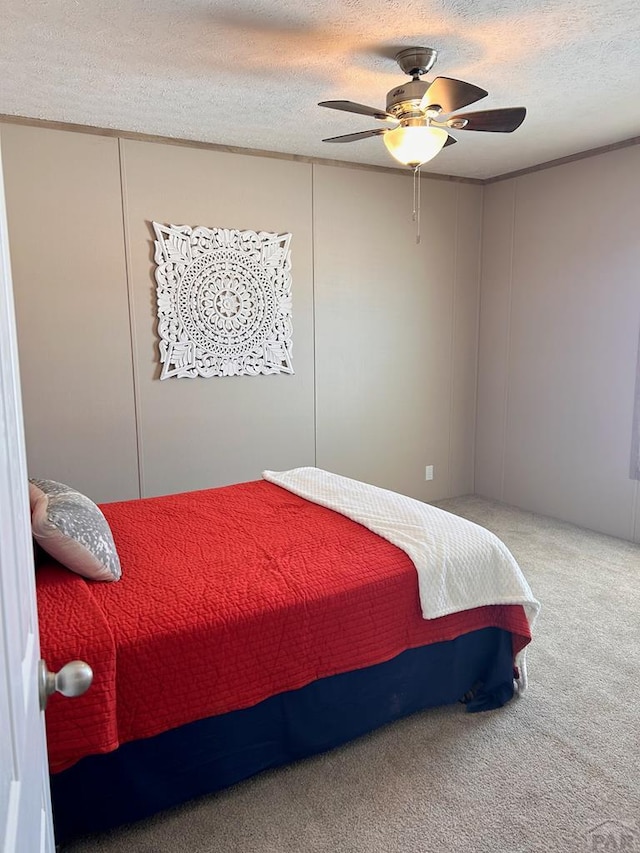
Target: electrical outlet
x: 428, y: 472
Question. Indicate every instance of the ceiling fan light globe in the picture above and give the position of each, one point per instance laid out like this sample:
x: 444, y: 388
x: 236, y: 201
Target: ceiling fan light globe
x: 414, y: 146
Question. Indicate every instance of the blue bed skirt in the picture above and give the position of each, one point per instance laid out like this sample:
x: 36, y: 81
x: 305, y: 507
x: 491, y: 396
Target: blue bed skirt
x: 146, y: 776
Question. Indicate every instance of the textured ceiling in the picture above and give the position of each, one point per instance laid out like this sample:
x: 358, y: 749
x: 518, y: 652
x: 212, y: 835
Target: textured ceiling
x: 250, y: 73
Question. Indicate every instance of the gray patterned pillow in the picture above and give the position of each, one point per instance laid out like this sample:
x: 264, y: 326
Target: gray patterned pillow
x: 72, y: 529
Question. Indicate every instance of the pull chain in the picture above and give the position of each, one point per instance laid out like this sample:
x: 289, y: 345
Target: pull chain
x: 416, y: 200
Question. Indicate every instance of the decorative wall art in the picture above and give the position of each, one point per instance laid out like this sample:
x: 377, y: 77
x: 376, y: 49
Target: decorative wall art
x: 224, y: 301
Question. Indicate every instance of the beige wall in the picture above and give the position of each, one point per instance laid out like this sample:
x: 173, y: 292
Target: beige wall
x: 396, y: 330
x: 386, y: 341
x: 560, y: 312
x: 203, y: 432
x: 65, y: 229
x: 389, y: 328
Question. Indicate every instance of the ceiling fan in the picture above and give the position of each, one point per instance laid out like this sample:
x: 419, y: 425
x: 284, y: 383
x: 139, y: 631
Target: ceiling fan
x: 423, y: 113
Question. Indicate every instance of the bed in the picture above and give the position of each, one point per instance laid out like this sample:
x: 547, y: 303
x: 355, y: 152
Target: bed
x: 254, y: 625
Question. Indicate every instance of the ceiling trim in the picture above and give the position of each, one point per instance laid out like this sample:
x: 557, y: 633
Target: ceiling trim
x: 570, y: 158
x: 301, y: 158
x: 228, y: 149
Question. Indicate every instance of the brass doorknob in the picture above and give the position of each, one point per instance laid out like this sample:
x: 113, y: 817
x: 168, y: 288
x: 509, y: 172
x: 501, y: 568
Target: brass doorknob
x: 74, y: 679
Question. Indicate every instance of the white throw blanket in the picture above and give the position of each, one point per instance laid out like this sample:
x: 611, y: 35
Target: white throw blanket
x: 460, y: 565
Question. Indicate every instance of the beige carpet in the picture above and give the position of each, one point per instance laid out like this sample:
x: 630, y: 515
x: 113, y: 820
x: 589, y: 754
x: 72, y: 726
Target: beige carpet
x: 556, y: 770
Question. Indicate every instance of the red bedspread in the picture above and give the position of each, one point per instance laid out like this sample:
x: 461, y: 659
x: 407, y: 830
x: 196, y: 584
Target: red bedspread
x: 228, y: 596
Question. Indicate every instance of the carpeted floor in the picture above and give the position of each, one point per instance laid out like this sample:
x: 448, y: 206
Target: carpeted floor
x: 556, y: 770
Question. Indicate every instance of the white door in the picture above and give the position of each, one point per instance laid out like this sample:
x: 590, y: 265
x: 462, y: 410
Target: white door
x: 25, y: 803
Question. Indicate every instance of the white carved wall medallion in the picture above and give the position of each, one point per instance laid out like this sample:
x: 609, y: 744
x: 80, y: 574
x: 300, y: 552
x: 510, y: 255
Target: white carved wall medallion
x: 224, y: 301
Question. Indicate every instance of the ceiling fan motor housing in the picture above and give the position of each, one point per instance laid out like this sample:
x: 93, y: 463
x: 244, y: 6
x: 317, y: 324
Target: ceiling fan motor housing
x: 403, y: 101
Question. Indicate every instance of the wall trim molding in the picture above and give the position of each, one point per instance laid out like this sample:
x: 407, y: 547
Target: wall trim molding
x: 227, y: 149
x: 634, y: 472
x: 126, y: 242
x: 570, y: 158
x: 301, y: 158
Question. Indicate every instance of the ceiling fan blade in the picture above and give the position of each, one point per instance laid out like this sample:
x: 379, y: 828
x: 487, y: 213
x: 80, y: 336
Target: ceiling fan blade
x: 361, y: 109
x: 450, y: 141
x: 451, y: 94
x: 354, y: 137
x: 495, y: 121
